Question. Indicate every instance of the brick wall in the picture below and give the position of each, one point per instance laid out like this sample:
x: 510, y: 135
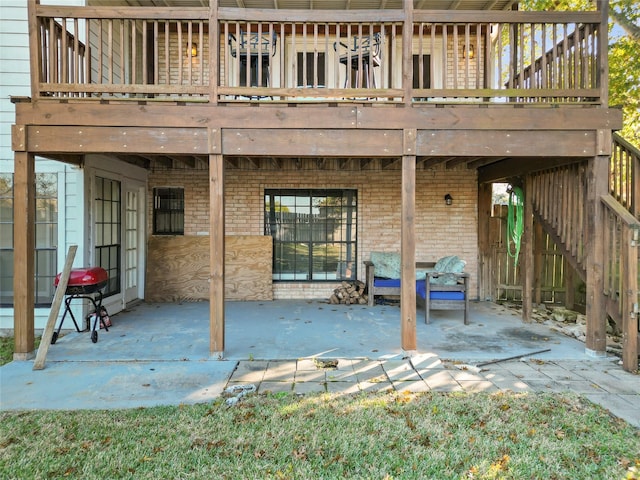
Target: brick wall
x: 440, y: 229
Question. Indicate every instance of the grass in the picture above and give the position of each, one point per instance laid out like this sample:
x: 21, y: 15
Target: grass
x: 381, y: 436
x: 6, y: 348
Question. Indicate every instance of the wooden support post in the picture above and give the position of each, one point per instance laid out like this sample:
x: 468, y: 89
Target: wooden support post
x: 216, y: 239
x: 485, y: 194
x: 24, y: 208
x: 597, y: 185
x: 61, y: 289
x: 408, y: 330
x: 527, y: 266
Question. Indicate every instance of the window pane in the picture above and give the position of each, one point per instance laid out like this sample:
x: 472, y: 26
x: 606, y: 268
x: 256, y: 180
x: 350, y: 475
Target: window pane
x: 168, y: 211
x: 6, y: 198
x: 6, y: 235
x: 47, y: 185
x: 426, y: 71
x: 253, y: 73
x: 314, y: 233
x: 46, y: 235
x: 45, y: 275
x: 6, y: 277
x: 313, y: 68
x: 108, y: 232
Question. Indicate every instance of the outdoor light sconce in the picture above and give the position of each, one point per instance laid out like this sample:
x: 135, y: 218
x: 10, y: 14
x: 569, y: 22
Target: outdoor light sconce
x: 448, y: 199
x: 194, y: 50
x: 472, y: 52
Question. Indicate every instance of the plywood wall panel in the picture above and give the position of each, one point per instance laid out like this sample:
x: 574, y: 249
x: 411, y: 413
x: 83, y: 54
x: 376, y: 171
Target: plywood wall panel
x: 178, y: 268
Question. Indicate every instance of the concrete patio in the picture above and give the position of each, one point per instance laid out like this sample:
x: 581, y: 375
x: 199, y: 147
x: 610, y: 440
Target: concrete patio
x: 158, y: 354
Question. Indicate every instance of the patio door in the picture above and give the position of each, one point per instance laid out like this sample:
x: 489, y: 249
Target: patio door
x: 133, y: 265
x: 119, y: 247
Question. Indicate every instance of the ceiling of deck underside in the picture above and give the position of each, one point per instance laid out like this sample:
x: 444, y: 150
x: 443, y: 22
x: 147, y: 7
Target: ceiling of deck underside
x: 319, y: 4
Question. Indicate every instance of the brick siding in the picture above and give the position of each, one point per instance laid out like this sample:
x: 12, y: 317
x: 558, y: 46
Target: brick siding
x: 440, y: 229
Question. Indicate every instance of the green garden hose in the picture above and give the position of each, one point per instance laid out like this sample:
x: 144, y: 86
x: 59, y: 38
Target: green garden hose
x: 515, y: 222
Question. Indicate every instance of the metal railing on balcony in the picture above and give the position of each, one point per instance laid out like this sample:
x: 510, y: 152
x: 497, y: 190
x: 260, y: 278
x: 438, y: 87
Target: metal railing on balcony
x: 317, y: 55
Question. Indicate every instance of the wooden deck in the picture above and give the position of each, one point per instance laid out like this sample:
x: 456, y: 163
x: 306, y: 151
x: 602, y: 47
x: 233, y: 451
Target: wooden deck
x: 123, y: 81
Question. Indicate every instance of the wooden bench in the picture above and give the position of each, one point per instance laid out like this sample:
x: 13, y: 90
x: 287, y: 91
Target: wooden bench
x: 435, y: 296
x: 380, y: 286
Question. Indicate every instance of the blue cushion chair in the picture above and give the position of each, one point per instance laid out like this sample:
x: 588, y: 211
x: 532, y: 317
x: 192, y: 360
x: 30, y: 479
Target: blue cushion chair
x: 442, y: 285
x: 449, y: 296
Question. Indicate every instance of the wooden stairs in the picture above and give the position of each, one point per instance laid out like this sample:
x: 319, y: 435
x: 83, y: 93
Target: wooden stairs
x: 559, y: 201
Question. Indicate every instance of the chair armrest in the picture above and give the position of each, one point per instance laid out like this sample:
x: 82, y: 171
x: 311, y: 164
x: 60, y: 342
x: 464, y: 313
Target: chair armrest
x: 440, y: 274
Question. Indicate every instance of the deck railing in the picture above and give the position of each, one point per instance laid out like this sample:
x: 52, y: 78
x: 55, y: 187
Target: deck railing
x: 624, y: 175
x: 622, y: 235
x: 559, y: 201
x: 621, y: 243
x: 559, y: 205
x: 316, y: 55
x: 62, y: 57
x: 570, y: 66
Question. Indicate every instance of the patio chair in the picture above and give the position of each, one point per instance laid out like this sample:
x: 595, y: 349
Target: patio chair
x: 254, y: 51
x: 363, y: 55
x: 444, y: 291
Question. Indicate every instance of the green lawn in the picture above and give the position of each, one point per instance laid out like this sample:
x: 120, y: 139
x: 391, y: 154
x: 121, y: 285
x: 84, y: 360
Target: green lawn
x: 382, y: 436
x: 6, y: 348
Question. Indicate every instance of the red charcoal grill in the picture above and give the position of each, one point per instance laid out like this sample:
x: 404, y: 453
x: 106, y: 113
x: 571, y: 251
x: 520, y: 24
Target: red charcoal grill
x: 83, y: 283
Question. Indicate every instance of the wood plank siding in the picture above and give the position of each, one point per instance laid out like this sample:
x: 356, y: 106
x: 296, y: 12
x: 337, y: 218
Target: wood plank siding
x: 498, y: 95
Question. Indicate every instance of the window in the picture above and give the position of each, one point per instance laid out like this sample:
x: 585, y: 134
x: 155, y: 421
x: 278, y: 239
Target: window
x: 46, y: 238
x: 168, y: 211
x: 255, y: 61
x: 314, y: 234
x: 423, y: 75
x: 252, y: 50
x: 6, y: 239
x: 310, y: 69
x: 108, y: 225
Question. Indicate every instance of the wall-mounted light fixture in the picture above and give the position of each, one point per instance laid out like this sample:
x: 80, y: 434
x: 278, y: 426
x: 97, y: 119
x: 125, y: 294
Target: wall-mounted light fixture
x: 448, y: 199
x: 194, y: 50
x: 471, y: 54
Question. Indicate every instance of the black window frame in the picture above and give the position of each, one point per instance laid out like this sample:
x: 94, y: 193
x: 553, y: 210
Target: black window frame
x: 324, y: 234
x: 168, y: 206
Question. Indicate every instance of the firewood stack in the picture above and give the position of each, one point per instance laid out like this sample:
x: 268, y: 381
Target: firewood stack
x: 349, y: 293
